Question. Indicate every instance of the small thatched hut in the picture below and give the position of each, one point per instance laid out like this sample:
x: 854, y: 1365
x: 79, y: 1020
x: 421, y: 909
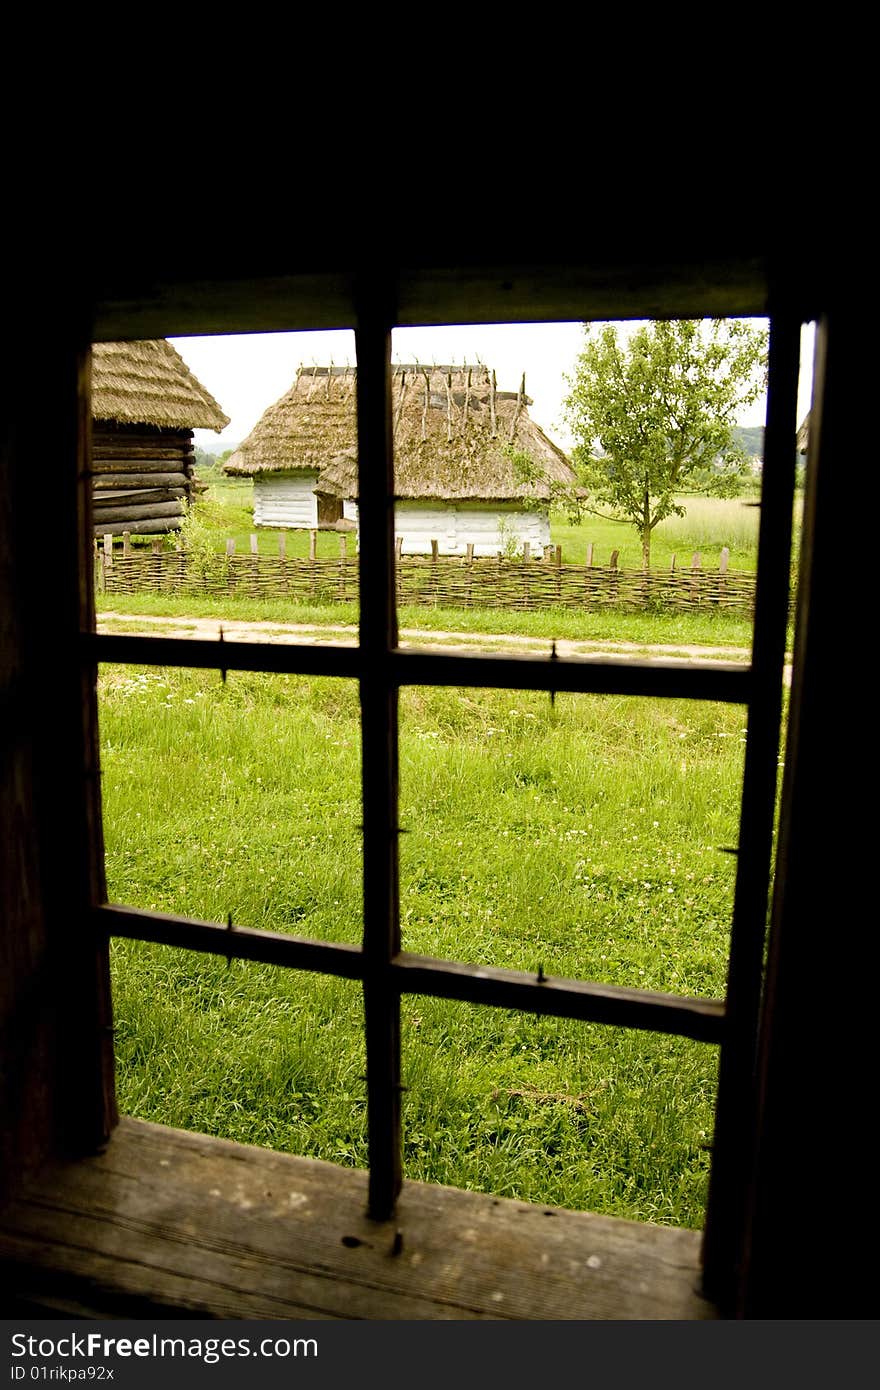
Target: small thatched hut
x: 145, y: 405
x: 292, y: 441
x: 470, y: 466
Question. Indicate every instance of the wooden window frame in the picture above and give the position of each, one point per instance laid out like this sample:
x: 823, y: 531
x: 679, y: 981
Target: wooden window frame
x: 84, y: 1112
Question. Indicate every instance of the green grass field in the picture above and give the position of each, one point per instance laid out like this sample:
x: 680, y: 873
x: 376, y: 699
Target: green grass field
x: 646, y: 629
x: 584, y: 837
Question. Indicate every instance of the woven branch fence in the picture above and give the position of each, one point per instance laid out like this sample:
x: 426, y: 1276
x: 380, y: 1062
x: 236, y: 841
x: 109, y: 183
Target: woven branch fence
x: 435, y: 581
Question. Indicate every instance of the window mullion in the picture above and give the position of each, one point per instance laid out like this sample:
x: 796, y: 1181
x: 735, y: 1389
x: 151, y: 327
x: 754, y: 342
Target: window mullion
x: 378, y: 638
x: 734, y: 1119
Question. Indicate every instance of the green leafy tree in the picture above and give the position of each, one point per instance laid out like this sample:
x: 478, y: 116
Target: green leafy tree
x: 655, y: 416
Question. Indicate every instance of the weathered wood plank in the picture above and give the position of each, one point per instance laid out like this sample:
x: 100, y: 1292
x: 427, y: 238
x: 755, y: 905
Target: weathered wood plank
x: 379, y: 768
x: 181, y: 1221
x: 591, y: 1001
x: 136, y: 497
x: 112, y: 481
x: 137, y: 511
x: 137, y: 528
x: 731, y: 1171
x: 157, y: 460
x: 715, y: 680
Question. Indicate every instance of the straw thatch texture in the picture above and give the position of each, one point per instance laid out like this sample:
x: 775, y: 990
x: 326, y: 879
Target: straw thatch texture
x: 148, y: 383
x: 456, y: 437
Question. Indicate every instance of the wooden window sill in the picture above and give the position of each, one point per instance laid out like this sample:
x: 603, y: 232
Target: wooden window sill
x: 171, y: 1223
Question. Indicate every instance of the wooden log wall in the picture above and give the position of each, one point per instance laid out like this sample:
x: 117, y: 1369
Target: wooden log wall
x: 449, y: 582
x: 142, y: 478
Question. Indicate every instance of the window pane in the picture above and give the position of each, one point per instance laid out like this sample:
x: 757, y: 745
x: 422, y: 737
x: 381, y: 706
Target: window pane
x: 207, y: 452
x: 586, y: 836
x: 238, y: 797
x: 248, y: 1052
x: 547, y: 492
x: 552, y: 1111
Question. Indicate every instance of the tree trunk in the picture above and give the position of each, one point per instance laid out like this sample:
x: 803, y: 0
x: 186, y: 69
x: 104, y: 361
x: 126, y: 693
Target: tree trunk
x: 646, y: 547
x: 646, y: 528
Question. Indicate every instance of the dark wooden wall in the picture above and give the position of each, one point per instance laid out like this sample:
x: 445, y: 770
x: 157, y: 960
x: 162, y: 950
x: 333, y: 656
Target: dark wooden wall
x: 55, y: 1062
x: 142, y: 478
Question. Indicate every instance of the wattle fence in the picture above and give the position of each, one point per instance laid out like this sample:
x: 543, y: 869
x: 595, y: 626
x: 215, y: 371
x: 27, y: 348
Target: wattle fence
x: 436, y: 581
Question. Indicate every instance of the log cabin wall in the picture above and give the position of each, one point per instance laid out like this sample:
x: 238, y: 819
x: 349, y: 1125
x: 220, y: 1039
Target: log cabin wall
x: 142, y: 478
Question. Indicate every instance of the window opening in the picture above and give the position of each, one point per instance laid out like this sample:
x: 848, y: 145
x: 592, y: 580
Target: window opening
x: 383, y: 667
x: 246, y: 1051
x: 233, y: 797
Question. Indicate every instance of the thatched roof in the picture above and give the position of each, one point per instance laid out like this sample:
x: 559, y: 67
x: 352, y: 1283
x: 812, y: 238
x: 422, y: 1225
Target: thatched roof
x: 148, y: 383
x: 455, y: 436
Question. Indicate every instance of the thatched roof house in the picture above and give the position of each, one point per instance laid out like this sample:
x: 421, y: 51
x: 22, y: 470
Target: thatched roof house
x: 471, y: 467
x: 145, y: 405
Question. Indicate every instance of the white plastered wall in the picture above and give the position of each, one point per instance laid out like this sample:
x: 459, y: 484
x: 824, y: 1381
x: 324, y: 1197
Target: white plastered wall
x: 286, y: 501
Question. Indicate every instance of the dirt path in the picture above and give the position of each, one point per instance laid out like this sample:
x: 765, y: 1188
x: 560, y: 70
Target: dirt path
x: 338, y: 634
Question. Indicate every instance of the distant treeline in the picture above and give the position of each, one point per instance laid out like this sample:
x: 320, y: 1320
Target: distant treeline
x: 750, y: 438
x: 208, y: 458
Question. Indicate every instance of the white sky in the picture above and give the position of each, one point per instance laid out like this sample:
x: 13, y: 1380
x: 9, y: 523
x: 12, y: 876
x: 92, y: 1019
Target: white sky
x: 247, y: 373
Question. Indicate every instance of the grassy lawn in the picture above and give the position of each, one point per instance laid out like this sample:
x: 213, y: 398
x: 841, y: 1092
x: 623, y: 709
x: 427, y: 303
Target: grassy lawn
x: 646, y: 629
x: 710, y: 524
x: 583, y: 837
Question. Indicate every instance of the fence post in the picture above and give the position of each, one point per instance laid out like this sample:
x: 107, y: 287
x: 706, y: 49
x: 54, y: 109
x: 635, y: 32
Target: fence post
x: 230, y: 568
x: 343, y: 555
x: 255, y: 567
x: 470, y: 569
x: 435, y: 551
x: 156, y: 565
x: 696, y: 561
x: 722, y: 576
x: 589, y: 581
x: 313, y: 551
x: 126, y: 543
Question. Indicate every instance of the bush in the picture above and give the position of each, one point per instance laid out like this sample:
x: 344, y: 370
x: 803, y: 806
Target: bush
x: 197, y: 539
